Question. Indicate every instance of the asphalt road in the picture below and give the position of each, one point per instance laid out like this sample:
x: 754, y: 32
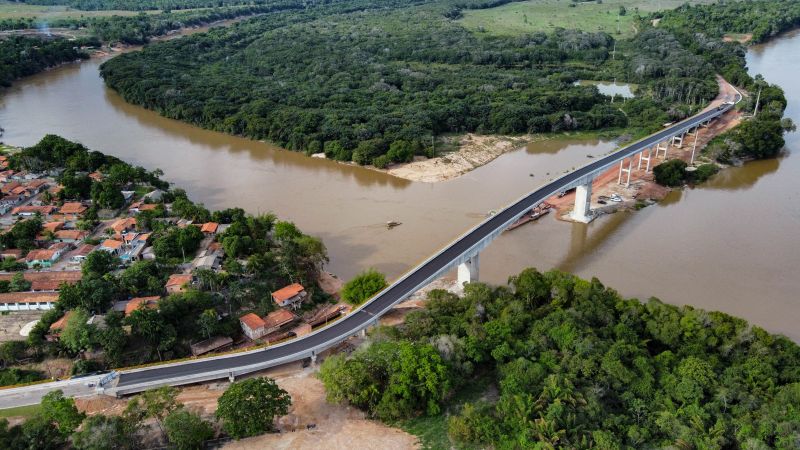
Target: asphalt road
x: 357, y: 320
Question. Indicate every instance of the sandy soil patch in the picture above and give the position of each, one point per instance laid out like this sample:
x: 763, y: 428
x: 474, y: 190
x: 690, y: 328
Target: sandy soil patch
x: 742, y: 38
x: 330, y: 283
x: 474, y: 150
x: 12, y: 323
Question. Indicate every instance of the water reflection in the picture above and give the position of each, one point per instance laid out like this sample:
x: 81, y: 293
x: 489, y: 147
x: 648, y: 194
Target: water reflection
x: 611, y: 88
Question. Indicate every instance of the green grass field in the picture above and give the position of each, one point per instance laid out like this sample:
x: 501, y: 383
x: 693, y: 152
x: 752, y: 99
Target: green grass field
x: 17, y: 10
x: 546, y: 15
x: 20, y: 411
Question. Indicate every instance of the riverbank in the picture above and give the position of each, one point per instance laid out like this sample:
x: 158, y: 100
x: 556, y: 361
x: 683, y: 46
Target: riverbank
x: 462, y: 154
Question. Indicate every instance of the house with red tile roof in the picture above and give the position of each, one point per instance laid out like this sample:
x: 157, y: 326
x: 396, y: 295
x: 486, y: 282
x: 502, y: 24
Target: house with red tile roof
x: 252, y: 326
x: 178, y: 282
x: 209, y: 228
x: 292, y: 295
x: 112, y: 246
x: 277, y: 320
x: 123, y: 225
x: 141, y: 303
x: 42, y: 258
x: 30, y: 210
x: 59, y: 325
x: 71, y: 236
x: 73, y: 208
x: 82, y: 252
x: 53, y: 226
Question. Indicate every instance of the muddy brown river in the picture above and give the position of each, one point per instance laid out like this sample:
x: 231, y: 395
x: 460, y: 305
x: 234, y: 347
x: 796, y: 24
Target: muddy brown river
x: 730, y: 245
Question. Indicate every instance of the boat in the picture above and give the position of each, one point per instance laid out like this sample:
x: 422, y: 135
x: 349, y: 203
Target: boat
x: 391, y: 224
x: 534, y: 214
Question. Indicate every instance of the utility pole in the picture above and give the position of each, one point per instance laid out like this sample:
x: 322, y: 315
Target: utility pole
x: 758, y: 99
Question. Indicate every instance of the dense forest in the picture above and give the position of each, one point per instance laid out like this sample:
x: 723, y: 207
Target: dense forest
x: 761, y: 18
x: 373, y: 86
x: 577, y: 366
x: 22, y: 56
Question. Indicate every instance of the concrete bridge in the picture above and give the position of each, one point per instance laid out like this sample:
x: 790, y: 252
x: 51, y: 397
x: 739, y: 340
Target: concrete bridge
x: 463, y: 253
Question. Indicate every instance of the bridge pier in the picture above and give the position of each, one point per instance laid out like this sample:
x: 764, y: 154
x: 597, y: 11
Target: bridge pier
x: 583, y: 203
x: 645, y: 158
x: 622, y: 169
x: 679, y: 139
x: 660, y: 149
x: 468, y: 270
x: 694, y: 144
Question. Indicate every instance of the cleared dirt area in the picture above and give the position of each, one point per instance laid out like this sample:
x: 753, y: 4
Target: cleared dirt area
x: 335, y: 427
x: 11, y: 324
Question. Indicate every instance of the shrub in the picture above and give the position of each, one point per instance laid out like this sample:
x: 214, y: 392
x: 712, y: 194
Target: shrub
x: 704, y: 172
x: 670, y: 173
x: 382, y: 162
x: 363, y: 286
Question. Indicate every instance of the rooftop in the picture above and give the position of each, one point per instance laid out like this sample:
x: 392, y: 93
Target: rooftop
x: 287, y: 292
x: 53, y: 226
x: 123, y: 224
x: 252, y: 321
x: 75, y: 235
x: 209, y: 227
x: 59, y: 324
x: 179, y: 279
x: 28, y: 297
x: 84, y: 250
x: 73, y: 208
x: 141, y: 302
x: 278, y: 318
x: 112, y: 244
x: 40, y: 255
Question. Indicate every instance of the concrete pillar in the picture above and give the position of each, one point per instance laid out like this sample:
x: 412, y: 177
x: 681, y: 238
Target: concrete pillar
x: 645, y: 158
x: 583, y: 203
x: 468, y: 271
x: 662, y: 147
x: 231, y: 378
x: 694, y: 145
x: 679, y: 139
x: 628, y: 170
x: 313, y: 358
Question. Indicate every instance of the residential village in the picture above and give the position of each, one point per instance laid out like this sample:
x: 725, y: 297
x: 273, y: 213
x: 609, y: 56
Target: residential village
x: 149, y: 270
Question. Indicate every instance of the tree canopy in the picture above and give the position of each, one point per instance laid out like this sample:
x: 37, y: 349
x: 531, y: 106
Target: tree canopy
x: 249, y: 407
x: 363, y: 286
x: 578, y: 366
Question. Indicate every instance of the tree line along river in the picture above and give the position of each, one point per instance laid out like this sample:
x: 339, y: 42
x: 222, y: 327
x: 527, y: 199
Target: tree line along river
x: 730, y: 244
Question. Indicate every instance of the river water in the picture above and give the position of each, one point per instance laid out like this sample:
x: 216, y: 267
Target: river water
x: 730, y: 245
